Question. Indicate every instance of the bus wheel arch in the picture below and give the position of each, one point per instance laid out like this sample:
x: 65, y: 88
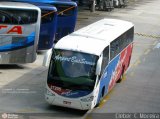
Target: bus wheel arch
x: 103, y: 90
x: 121, y: 76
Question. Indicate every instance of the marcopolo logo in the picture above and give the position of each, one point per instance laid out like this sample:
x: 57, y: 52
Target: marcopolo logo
x: 9, y: 116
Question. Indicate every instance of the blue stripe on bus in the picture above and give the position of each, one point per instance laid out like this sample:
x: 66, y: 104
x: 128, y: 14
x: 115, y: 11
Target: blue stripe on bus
x: 107, y: 76
x: 21, y: 44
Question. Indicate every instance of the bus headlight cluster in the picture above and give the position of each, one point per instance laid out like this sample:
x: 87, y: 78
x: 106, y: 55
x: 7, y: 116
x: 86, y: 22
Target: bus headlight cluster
x: 49, y: 93
x: 88, y: 99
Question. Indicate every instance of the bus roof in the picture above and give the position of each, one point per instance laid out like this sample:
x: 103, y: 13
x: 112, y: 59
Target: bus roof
x: 65, y: 2
x: 18, y: 5
x: 44, y: 6
x: 94, y: 38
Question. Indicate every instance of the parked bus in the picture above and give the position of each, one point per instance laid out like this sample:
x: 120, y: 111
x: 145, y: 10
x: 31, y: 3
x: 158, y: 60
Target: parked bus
x: 86, y: 64
x: 48, y: 26
x: 19, y: 32
x: 67, y: 15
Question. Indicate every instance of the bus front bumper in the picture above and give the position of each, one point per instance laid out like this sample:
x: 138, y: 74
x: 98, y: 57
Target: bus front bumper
x: 66, y: 102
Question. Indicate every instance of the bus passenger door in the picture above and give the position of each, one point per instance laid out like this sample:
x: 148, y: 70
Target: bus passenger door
x: 96, y: 92
x: 97, y: 83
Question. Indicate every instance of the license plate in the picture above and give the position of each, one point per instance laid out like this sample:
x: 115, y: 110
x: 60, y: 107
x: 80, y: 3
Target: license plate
x: 66, y: 102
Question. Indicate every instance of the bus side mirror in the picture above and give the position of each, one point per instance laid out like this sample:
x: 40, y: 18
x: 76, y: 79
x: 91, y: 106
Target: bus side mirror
x: 47, y: 57
x: 98, y: 67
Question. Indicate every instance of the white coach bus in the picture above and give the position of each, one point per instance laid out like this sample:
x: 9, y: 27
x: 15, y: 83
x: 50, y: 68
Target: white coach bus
x: 86, y: 64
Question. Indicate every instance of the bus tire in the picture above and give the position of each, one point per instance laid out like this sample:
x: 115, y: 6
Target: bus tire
x: 121, y: 77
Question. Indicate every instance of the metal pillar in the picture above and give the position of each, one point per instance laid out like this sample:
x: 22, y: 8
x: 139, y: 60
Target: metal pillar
x: 93, y: 3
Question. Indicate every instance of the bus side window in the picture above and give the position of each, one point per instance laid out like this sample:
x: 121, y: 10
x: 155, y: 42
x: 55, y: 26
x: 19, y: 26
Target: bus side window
x: 112, y: 51
x: 131, y: 34
x: 125, y: 41
x: 115, y: 48
x: 128, y: 37
x: 117, y: 45
x: 105, y: 58
x: 121, y: 42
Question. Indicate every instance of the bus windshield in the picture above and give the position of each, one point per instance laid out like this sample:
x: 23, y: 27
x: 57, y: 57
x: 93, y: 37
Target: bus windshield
x: 72, y: 70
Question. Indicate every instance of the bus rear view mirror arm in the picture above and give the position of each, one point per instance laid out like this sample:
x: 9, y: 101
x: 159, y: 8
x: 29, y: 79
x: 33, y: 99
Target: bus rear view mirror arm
x: 47, y: 58
x: 98, y: 67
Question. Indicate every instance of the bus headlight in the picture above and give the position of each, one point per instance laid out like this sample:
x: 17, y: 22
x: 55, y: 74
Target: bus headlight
x: 88, y: 99
x: 49, y: 93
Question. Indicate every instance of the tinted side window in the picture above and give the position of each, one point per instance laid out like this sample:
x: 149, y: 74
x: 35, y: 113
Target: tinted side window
x: 17, y: 16
x: 130, y: 34
x: 121, y: 42
x: 115, y: 48
x: 105, y: 58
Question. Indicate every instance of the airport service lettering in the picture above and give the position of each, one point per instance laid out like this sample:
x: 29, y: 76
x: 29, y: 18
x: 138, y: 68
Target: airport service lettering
x: 74, y: 59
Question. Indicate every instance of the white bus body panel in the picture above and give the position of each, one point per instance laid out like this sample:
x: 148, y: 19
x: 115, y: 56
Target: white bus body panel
x: 17, y: 56
x: 91, y: 39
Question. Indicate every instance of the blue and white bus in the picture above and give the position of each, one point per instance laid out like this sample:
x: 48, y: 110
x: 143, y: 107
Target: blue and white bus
x: 67, y: 15
x: 48, y: 24
x: 86, y: 64
x: 19, y: 32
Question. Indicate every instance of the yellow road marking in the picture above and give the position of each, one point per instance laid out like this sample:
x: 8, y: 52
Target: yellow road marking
x: 155, y: 42
x: 147, y: 51
x: 131, y: 74
x: 88, y: 117
x: 147, y: 35
x: 105, y: 99
x: 144, y: 44
x: 137, y: 63
x: 124, y: 77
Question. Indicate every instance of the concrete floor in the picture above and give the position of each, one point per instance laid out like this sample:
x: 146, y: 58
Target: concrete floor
x: 138, y: 92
